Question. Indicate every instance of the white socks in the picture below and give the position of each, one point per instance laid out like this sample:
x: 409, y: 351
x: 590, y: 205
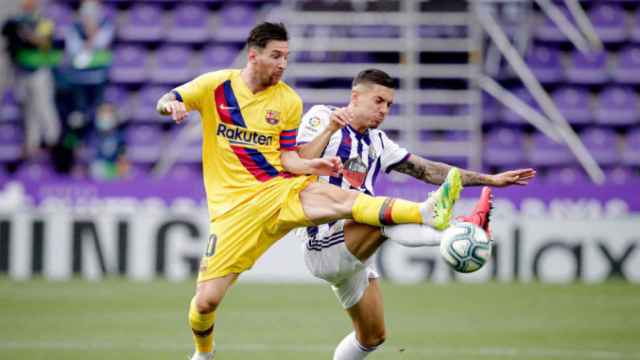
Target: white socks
x: 203, y: 356
x: 412, y: 235
x: 350, y: 349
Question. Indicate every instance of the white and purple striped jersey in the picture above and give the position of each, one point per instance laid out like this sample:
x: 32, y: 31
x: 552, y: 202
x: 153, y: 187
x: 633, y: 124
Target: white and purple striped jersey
x: 375, y: 150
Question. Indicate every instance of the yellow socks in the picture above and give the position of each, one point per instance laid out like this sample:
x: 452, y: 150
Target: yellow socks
x: 202, y: 328
x: 378, y: 211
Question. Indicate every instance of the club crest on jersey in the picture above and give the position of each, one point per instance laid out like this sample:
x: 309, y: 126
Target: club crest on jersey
x: 272, y: 117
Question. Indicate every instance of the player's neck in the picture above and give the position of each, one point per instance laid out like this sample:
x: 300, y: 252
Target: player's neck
x: 251, y: 81
x: 357, y: 125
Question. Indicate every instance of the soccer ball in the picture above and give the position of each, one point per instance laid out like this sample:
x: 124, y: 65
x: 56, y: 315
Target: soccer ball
x: 465, y: 247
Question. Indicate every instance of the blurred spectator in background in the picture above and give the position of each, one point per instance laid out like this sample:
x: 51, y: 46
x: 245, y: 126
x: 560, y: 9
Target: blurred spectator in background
x: 108, y: 143
x: 88, y: 57
x: 28, y: 37
x: 81, y: 82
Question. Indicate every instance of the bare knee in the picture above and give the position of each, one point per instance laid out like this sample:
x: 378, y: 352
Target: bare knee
x: 373, y: 338
x: 204, y: 304
x: 208, y: 297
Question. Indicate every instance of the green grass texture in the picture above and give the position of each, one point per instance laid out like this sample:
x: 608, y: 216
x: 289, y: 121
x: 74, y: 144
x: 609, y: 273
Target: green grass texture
x: 119, y: 319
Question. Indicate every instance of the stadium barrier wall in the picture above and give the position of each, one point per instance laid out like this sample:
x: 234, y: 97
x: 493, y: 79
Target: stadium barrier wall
x: 562, y: 240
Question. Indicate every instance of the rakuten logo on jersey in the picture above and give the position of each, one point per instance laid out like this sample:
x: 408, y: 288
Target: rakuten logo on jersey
x: 243, y: 136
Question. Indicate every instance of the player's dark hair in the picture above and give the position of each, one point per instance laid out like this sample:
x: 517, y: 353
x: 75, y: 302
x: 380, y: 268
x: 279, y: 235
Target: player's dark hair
x: 262, y: 33
x: 374, y: 76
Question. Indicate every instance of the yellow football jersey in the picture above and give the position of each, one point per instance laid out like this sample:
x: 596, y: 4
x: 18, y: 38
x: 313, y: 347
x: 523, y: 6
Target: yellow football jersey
x: 243, y: 134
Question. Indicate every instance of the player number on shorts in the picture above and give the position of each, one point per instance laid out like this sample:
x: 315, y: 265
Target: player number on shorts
x: 211, y: 245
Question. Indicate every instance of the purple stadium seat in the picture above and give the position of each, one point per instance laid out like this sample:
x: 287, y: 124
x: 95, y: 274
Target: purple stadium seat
x: 441, y: 31
x: 116, y: 95
x: 546, y: 152
x: 35, y: 172
x: 143, y: 107
x: 435, y: 109
x: 574, y: 104
x: 546, y: 29
x: 9, y: 108
x: 62, y: 15
x: 490, y: 109
x: 172, y: 65
x: 634, y: 32
x: 236, y: 20
x: 121, y: 99
x: 609, y: 22
x: 320, y: 56
x: 627, y: 66
x: 143, y: 22
x: 566, y: 176
x: 189, y: 24
x: 129, y: 64
x: 144, y: 143
x: 602, y: 144
x: 375, y: 31
x: 588, y: 69
x: 192, y: 153
x: 504, y: 147
x: 617, y: 106
x: 511, y: 117
x: 545, y: 64
x: 217, y: 57
x: 11, y: 140
x: 619, y: 175
x: 631, y: 148
x: 183, y: 172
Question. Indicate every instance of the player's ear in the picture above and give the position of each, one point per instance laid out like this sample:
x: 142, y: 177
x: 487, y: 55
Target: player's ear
x: 251, y: 54
x: 354, y: 96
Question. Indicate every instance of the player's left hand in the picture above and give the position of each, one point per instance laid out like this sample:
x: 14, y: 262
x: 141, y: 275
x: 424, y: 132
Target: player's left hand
x: 326, y: 166
x: 513, y: 177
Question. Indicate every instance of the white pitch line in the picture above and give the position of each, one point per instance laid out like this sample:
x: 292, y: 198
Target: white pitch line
x: 491, y: 352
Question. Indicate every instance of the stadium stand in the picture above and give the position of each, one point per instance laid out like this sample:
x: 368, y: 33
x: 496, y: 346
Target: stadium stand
x: 161, y: 44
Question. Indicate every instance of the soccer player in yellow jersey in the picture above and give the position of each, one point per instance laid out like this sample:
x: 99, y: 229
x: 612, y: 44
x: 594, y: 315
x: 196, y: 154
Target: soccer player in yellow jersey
x: 258, y: 187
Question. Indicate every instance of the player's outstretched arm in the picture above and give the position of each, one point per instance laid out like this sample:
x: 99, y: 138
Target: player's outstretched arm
x: 170, y: 105
x: 326, y: 166
x: 434, y: 172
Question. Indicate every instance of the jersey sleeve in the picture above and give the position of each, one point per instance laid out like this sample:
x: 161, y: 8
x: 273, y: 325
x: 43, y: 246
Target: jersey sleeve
x: 194, y: 93
x: 313, y: 122
x: 392, y: 153
x: 291, y: 122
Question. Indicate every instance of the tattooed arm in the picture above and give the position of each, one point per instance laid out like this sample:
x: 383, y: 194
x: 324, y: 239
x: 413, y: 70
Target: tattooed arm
x: 434, y: 172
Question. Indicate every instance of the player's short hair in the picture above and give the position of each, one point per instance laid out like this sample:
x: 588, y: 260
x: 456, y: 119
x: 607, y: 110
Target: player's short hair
x: 374, y: 76
x: 262, y: 33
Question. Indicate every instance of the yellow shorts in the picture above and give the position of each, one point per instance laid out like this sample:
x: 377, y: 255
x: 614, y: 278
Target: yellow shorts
x: 240, y: 236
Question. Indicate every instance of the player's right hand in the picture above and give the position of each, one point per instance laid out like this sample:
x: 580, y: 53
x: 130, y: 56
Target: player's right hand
x: 177, y: 110
x: 326, y: 166
x: 339, y: 118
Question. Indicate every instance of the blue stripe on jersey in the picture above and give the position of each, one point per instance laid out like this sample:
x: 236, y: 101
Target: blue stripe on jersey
x: 344, y: 151
x: 232, y: 104
x: 325, y: 243
x: 376, y: 170
x: 312, y: 231
x: 177, y: 95
x: 261, y: 161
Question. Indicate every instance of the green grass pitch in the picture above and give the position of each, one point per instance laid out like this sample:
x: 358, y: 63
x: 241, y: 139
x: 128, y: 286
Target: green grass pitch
x: 117, y: 319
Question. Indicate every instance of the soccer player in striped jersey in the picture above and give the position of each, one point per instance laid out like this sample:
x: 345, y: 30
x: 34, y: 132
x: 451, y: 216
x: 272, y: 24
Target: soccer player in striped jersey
x: 341, y: 252
x: 258, y: 187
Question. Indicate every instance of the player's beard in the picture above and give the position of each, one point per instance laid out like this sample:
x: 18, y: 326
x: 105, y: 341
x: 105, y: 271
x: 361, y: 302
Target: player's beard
x: 275, y: 77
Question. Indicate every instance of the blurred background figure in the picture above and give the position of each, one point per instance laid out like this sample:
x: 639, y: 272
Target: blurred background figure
x: 83, y: 77
x: 28, y: 37
x: 107, y: 142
